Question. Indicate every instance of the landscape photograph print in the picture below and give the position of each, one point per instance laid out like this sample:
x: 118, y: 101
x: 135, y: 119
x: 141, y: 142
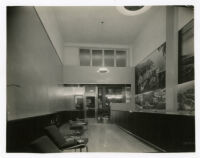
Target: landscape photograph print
x: 186, y: 53
x: 186, y: 97
x: 185, y: 89
x: 150, y: 73
x: 153, y: 100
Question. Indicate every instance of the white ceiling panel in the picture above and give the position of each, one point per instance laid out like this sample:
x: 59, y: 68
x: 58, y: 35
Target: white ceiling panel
x: 100, y: 24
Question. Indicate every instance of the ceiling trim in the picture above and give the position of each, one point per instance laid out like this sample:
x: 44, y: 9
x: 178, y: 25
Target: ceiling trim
x: 94, y: 45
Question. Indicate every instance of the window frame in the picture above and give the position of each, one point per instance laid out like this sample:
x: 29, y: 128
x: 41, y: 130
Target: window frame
x: 126, y: 57
x: 80, y: 56
x: 103, y: 55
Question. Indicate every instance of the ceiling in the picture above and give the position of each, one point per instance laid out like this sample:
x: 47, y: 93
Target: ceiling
x: 100, y: 24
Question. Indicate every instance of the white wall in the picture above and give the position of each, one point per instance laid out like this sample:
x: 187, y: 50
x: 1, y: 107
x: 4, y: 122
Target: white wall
x: 152, y: 36
x: 48, y: 19
x: 154, y: 33
x: 73, y: 73
x: 71, y: 56
x: 184, y: 16
x: 89, y: 75
x: 34, y: 71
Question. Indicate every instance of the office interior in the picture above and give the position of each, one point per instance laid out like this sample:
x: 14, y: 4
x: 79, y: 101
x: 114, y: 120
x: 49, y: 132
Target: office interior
x: 110, y: 78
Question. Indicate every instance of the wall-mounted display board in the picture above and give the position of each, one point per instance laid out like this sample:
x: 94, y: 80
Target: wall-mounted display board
x: 186, y: 90
x: 150, y: 73
x: 150, y: 81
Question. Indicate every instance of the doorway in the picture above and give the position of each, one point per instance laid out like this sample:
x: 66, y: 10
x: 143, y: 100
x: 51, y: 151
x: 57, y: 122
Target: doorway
x: 90, y: 107
x: 103, y: 109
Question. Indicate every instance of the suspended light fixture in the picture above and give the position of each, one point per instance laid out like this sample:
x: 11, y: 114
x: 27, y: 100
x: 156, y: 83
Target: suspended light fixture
x: 103, y: 70
x: 132, y: 10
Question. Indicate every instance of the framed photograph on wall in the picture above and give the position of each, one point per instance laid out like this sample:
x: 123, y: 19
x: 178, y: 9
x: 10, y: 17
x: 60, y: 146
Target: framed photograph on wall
x: 186, y: 53
x: 186, y: 84
x: 150, y: 81
x: 150, y: 72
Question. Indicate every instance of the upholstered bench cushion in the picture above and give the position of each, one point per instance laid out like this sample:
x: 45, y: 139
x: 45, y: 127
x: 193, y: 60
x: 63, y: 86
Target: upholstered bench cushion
x: 82, y: 141
x: 69, y: 143
x: 44, y: 145
x: 76, y: 127
x: 56, y: 136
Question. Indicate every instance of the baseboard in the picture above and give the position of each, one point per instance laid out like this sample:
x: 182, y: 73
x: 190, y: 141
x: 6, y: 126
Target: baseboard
x: 143, y: 140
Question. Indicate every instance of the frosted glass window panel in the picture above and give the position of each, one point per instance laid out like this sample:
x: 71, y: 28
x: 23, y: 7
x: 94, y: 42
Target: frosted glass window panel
x: 84, y: 57
x: 97, y: 58
x: 120, y: 58
x: 109, y: 57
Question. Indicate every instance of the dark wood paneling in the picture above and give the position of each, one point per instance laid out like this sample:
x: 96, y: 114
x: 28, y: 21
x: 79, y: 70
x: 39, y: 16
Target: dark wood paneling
x: 22, y: 131
x: 172, y: 133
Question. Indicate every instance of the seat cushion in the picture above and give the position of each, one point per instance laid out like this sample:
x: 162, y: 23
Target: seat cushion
x: 81, y: 123
x: 82, y: 141
x: 44, y: 145
x: 69, y: 143
x: 76, y: 127
x: 53, y: 132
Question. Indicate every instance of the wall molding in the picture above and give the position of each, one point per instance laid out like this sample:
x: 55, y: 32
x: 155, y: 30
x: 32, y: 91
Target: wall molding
x: 95, y: 45
x: 143, y: 140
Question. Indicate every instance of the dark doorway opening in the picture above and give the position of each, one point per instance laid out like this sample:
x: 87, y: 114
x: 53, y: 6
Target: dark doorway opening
x: 90, y: 105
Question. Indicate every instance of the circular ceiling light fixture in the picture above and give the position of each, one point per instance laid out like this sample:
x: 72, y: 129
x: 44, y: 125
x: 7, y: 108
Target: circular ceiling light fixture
x: 132, y: 10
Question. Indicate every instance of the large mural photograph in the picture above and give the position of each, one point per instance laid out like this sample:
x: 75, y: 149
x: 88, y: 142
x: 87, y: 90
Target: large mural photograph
x: 186, y: 53
x: 153, y: 100
x: 150, y: 73
x: 186, y: 96
x: 150, y: 81
x: 186, y: 90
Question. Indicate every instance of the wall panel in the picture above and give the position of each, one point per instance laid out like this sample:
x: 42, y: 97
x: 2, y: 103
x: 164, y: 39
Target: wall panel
x: 89, y: 75
x: 168, y: 133
x: 34, y: 70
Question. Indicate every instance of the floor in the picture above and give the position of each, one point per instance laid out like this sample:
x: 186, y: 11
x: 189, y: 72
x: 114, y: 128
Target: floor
x: 106, y: 137
x: 110, y: 138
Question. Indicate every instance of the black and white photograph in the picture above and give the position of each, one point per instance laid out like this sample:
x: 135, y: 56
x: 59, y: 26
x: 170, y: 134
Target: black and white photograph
x: 152, y: 100
x: 186, y: 99
x: 186, y: 52
x: 150, y: 74
x: 100, y: 79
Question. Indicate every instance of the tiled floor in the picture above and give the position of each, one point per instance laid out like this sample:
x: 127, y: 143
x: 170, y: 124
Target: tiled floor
x: 105, y: 137
x: 110, y: 138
